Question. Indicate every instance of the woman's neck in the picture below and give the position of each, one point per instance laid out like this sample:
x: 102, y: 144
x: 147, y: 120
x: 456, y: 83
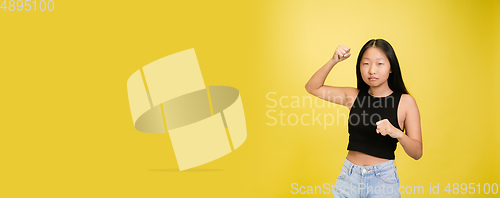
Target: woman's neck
x: 380, y: 91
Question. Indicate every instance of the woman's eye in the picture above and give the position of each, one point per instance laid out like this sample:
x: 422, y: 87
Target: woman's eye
x: 380, y: 63
x: 365, y: 63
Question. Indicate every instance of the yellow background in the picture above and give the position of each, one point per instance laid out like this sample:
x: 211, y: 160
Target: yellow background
x: 66, y: 128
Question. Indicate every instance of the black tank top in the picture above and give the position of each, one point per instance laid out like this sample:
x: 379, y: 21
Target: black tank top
x: 365, y: 112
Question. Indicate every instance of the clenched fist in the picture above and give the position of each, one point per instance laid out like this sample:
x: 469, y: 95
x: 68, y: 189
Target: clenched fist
x: 384, y: 127
x: 341, y: 53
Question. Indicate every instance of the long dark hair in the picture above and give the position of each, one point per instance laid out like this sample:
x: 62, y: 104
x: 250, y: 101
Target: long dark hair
x: 395, y: 79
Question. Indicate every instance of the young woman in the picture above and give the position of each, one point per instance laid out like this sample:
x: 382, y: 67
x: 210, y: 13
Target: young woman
x: 380, y: 110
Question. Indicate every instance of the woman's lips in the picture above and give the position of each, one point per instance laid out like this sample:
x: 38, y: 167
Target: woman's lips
x: 372, y: 79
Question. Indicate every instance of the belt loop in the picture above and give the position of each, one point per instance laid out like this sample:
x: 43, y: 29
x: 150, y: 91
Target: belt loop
x: 350, y: 169
x: 376, y: 171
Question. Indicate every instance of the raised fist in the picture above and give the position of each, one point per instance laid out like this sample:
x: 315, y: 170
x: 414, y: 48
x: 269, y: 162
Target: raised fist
x: 341, y: 53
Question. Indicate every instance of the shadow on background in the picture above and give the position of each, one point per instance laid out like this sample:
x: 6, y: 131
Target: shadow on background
x: 190, y: 170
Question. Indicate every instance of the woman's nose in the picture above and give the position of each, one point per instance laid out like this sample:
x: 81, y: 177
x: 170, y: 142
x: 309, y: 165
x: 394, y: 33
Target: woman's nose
x: 372, y: 70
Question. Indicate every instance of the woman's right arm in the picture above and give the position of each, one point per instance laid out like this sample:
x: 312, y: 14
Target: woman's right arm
x: 316, y: 87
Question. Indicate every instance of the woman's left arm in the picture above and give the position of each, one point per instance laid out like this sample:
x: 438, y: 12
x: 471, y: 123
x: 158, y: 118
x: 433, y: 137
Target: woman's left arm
x: 412, y: 140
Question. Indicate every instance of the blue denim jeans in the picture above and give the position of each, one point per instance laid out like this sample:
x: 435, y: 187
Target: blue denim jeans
x: 380, y: 180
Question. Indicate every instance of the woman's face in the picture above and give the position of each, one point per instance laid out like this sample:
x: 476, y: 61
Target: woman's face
x: 375, y: 67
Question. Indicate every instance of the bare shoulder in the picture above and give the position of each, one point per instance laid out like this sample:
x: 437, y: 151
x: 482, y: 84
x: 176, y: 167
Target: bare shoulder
x: 407, y: 99
x: 408, y: 102
x: 351, y: 94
